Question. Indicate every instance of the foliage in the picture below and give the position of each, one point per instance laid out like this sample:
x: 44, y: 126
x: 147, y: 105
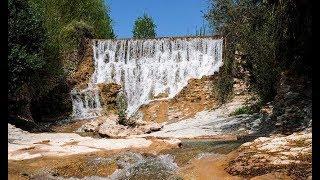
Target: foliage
x: 249, y: 109
x: 272, y: 35
x: 41, y: 32
x: 144, y: 27
x: 25, y: 59
x: 225, y: 79
x: 68, y: 22
x: 73, y: 34
x: 242, y: 110
x: 122, y: 107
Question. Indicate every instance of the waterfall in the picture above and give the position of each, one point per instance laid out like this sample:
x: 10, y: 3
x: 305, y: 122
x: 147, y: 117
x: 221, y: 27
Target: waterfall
x: 146, y: 69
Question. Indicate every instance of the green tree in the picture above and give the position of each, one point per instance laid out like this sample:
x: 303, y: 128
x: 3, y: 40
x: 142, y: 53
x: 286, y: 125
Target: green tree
x: 144, y: 27
x: 68, y: 23
x: 273, y: 36
x: 26, y: 39
x: 41, y: 35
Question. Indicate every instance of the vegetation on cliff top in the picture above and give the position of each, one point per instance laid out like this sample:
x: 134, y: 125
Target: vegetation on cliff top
x: 274, y: 36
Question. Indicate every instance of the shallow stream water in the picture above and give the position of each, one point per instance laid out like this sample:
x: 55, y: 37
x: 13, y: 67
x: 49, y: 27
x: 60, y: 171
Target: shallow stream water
x: 167, y: 162
x: 138, y: 166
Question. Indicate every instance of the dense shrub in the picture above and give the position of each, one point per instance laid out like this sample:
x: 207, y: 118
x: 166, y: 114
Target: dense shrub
x: 26, y: 39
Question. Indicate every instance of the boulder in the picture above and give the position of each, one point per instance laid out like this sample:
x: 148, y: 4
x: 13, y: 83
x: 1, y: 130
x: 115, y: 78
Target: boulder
x: 109, y: 127
x: 112, y: 130
x: 91, y: 126
x: 151, y: 127
x: 94, y: 125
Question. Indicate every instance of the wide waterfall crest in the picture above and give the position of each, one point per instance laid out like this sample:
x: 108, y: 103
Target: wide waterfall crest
x: 147, y: 69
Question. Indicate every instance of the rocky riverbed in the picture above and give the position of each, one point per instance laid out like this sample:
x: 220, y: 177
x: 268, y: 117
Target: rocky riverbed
x: 212, y: 144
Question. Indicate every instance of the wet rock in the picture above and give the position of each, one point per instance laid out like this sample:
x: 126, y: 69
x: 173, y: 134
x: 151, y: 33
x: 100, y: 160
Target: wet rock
x: 176, y: 142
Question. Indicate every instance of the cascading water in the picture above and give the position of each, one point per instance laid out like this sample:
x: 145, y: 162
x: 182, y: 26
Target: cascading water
x: 146, y: 69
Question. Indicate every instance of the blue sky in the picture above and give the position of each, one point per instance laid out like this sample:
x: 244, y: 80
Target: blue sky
x: 172, y: 17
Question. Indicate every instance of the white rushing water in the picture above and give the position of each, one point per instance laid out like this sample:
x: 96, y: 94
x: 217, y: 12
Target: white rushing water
x: 146, y: 69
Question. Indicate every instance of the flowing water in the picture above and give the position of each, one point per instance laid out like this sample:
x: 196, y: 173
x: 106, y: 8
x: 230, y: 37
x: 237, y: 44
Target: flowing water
x: 146, y: 69
x: 148, y: 167
x: 166, y: 164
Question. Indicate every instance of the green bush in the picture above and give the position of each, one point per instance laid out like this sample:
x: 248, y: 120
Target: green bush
x: 242, y: 110
x: 224, y: 86
x: 122, y: 107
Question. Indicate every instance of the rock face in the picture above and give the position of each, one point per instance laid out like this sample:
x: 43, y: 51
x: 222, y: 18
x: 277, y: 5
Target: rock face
x: 108, y: 97
x: 212, y: 124
x: 148, y: 68
x: 197, y: 96
x: 290, y: 154
x: 85, y: 67
x: 293, y: 103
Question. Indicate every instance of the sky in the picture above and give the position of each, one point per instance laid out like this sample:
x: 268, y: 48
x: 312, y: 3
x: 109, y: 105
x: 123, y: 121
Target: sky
x: 172, y: 17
